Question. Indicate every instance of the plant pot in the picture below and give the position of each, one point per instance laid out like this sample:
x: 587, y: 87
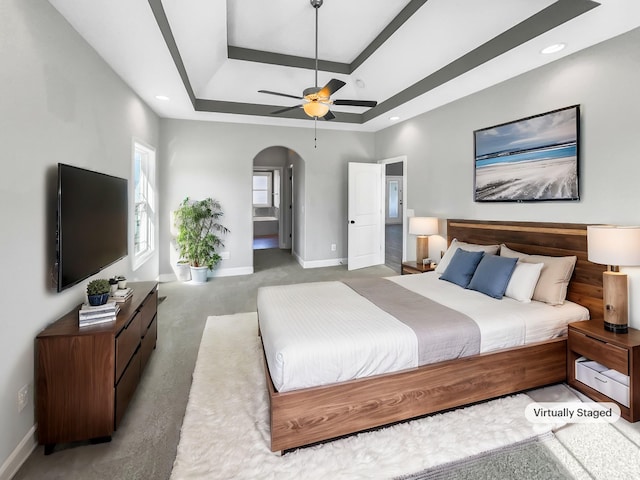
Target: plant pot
x: 96, y: 300
x: 199, y: 274
x: 183, y: 271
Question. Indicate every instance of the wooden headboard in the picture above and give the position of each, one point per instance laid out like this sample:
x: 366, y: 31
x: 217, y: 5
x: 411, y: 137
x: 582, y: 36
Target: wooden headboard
x: 554, y: 239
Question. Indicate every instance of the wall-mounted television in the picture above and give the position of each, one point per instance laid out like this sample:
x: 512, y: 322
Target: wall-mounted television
x: 92, y: 221
x: 531, y: 159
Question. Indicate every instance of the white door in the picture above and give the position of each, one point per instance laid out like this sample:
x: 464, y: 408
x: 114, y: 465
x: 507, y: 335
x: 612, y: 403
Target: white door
x: 366, y: 216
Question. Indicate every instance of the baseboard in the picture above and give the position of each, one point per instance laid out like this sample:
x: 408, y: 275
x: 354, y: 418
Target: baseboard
x: 331, y: 262
x: 19, y: 455
x: 218, y: 272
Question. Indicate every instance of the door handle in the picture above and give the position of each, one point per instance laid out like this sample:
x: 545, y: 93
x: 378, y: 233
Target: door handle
x: 352, y: 221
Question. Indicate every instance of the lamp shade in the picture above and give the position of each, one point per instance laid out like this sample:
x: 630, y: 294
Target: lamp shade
x: 613, y: 245
x: 423, y: 225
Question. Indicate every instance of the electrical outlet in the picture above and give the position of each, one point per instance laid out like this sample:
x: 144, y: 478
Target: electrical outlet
x: 333, y: 247
x: 23, y: 397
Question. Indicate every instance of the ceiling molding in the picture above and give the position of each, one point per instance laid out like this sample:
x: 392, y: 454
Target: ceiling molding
x: 556, y: 14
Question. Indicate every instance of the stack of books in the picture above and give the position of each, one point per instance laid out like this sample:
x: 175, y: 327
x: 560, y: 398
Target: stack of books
x: 121, y: 295
x: 93, y: 315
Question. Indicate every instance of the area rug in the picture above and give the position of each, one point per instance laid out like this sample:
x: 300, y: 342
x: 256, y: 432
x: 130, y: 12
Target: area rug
x: 225, y: 432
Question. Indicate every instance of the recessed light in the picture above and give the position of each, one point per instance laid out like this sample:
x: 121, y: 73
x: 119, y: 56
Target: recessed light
x: 394, y: 118
x: 556, y: 47
x: 162, y: 97
x: 360, y: 83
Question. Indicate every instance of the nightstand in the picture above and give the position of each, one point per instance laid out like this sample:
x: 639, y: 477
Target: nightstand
x: 617, y: 351
x: 415, y: 267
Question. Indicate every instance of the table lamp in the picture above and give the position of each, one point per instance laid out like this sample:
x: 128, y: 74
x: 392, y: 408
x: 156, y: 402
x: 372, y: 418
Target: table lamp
x: 422, y: 227
x: 614, y: 246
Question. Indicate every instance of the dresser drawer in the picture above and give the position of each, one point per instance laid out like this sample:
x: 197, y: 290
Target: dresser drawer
x: 126, y: 344
x: 148, y: 343
x: 148, y: 310
x: 605, y: 353
x: 126, y: 387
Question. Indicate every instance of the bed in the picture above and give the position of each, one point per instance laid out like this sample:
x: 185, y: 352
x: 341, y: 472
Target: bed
x: 306, y: 407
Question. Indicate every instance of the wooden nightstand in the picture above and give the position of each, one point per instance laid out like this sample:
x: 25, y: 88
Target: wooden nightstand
x: 617, y: 351
x: 414, y: 267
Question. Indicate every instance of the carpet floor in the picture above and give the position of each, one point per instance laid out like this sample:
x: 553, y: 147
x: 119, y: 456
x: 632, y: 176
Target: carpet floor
x: 225, y: 433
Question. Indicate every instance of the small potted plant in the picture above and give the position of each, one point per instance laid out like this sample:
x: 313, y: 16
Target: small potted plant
x: 113, y: 284
x: 122, y: 282
x: 98, y: 291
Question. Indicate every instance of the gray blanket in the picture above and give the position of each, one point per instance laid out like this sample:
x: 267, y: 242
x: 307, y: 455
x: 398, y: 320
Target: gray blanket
x: 443, y: 333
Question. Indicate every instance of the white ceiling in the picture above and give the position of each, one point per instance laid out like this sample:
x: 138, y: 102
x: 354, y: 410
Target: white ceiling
x: 195, y: 51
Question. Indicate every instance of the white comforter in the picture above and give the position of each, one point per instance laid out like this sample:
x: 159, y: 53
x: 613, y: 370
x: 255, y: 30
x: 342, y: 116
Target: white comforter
x: 321, y: 333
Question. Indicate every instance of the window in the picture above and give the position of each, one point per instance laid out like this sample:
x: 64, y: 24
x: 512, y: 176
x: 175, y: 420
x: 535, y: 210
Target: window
x: 262, y: 183
x: 144, y: 160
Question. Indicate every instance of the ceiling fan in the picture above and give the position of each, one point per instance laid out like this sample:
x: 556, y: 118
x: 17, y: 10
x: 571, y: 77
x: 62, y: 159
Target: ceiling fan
x: 317, y: 101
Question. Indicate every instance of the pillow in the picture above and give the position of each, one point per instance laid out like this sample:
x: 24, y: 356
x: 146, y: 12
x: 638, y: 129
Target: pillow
x: 470, y: 247
x: 492, y: 275
x: 461, y: 267
x: 523, y: 281
x: 554, y: 276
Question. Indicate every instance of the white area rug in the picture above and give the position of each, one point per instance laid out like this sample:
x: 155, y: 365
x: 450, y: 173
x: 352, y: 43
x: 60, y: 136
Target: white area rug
x: 225, y: 433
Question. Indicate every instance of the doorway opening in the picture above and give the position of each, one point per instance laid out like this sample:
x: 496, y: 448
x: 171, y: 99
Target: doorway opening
x: 394, y: 213
x: 273, y: 192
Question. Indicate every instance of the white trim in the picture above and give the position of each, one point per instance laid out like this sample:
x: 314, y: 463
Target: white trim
x: 218, y: 272
x: 330, y: 262
x: 138, y: 261
x: 19, y: 455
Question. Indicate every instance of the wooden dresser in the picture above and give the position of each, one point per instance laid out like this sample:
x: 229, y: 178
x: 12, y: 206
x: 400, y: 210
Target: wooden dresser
x: 85, y: 377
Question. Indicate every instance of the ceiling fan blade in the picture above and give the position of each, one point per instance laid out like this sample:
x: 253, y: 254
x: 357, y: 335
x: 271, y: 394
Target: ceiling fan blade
x: 333, y: 86
x: 280, y: 94
x: 329, y: 116
x: 285, y: 109
x: 356, y: 103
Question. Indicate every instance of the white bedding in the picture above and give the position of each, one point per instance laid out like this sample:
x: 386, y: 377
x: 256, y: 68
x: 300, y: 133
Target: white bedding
x: 327, y: 324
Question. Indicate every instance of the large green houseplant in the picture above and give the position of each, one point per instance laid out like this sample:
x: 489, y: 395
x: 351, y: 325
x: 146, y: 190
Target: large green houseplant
x: 199, y: 231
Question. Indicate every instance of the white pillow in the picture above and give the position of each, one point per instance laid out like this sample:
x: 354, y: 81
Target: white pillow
x: 523, y: 281
x: 470, y: 247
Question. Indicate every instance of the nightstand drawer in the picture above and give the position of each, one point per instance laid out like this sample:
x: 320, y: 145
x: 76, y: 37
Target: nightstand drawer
x: 603, y: 380
x: 613, y: 357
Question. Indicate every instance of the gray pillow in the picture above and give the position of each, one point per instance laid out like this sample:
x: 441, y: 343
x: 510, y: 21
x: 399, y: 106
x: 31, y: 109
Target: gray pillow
x: 492, y: 275
x: 461, y: 267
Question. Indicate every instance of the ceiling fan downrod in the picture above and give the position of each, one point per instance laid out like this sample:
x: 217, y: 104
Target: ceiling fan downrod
x: 316, y: 4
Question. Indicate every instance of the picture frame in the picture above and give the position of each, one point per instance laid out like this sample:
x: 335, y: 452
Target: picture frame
x: 528, y: 160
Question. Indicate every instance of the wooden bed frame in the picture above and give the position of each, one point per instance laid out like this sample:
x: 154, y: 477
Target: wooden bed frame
x: 311, y: 415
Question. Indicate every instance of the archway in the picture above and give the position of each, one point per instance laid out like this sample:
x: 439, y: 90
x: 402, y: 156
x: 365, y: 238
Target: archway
x: 278, y: 193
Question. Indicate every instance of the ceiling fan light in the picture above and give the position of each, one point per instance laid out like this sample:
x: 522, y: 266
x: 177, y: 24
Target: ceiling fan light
x: 315, y: 109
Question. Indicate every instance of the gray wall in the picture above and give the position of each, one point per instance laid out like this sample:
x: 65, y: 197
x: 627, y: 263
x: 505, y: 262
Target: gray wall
x: 59, y: 103
x: 604, y: 80
x: 202, y: 159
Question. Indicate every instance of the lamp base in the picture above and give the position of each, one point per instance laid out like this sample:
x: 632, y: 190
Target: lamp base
x: 616, y: 301
x: 616, y: 327
x: 422, y: 248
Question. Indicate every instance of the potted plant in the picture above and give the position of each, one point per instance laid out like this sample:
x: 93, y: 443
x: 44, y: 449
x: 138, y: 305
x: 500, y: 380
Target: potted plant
x: 197, y: 222
x: 113, y: 284
x: 98, y: 291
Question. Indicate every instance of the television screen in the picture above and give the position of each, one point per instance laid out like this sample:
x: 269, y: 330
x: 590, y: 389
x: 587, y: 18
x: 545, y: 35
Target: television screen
x: 531, y: 159
x: 92, y: 223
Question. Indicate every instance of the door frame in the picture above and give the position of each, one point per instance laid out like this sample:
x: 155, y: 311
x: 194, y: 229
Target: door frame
x: 403, y: 159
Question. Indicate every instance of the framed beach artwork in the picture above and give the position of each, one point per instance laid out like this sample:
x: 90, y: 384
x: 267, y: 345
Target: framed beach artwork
x: 532, y: 159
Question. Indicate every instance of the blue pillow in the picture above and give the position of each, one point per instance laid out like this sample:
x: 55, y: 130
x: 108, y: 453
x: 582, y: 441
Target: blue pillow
x: 492, y: 275
x: 461, y: 267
